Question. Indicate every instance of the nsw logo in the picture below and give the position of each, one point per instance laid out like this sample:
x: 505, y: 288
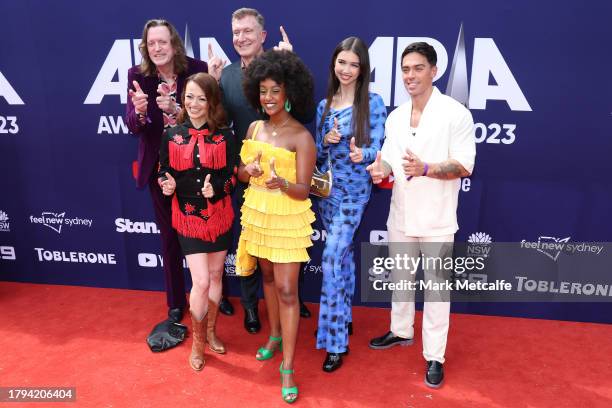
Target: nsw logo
x: 4, y: 222
x: 230, y: 264
x: 479, y: 244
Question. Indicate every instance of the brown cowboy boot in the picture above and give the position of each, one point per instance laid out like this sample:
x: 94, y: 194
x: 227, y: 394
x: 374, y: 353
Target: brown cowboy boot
x: 196, y: 359
x: 214, y: 343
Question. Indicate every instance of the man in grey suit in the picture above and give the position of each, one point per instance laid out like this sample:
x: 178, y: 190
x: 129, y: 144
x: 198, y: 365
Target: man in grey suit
x: 248, y: 35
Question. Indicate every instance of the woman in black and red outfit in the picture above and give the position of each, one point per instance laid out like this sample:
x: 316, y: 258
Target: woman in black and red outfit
x: 198, y: 162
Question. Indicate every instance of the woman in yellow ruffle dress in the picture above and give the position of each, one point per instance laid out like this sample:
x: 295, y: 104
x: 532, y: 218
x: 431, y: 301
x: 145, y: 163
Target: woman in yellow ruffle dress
x: 277, y: 159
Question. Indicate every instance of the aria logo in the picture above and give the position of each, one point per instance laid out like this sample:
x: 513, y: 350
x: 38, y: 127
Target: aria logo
x: 8, y: 92
x: 230, y: 264
x: 4, y: 224
x: 479, y: 244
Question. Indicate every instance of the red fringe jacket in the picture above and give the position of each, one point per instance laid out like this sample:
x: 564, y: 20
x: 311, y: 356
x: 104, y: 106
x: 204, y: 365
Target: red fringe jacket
x: 189, y: 155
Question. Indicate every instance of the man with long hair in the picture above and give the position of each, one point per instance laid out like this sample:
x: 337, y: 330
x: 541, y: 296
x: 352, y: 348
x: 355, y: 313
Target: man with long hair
x: 155, y: 87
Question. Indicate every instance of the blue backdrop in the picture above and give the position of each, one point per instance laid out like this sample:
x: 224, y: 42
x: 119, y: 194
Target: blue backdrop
x: 539, y: 92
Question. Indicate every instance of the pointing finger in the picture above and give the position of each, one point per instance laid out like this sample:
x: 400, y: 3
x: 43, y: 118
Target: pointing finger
x: 137, y: 86
x: 162, y: 90
x: 284, y: 34
x: 272, y: 169
x: 352, y: 145
x: 378, y: 158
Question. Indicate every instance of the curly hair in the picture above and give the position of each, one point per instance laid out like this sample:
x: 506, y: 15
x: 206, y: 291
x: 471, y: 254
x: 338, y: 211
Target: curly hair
x: 283, y: 67
x: 216, y: 114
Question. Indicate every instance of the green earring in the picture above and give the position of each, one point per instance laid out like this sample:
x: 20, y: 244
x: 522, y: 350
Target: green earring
x: 287, y: 105
x: 263, y: 110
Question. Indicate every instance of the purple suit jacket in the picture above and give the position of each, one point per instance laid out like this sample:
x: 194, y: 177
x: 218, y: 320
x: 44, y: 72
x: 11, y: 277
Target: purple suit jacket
x: 150, y: 134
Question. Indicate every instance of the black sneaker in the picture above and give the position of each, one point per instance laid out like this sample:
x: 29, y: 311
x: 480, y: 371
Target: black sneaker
x: 389, y: 340
x: 434, y: 374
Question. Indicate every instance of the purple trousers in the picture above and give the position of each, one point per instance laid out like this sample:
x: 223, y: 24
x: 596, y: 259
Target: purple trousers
x: 171, y: 250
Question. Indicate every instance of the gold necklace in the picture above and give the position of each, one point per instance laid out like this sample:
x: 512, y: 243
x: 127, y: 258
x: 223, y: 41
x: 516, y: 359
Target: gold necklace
x: 275, y: 127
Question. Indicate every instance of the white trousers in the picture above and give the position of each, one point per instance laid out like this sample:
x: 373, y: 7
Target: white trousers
x: 436, y: 314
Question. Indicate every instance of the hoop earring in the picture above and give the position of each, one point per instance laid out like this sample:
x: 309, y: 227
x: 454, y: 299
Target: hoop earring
x: 287, y: 105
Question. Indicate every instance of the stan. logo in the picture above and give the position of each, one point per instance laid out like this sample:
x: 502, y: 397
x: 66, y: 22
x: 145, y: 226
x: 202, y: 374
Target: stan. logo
x: 135, y: 227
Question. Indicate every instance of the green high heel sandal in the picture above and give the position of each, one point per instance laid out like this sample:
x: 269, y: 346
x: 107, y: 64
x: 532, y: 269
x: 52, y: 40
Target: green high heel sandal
x: 265, y: 354
x: 286, y: 391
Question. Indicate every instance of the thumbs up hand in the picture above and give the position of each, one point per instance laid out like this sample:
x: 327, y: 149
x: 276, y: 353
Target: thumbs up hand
x: 207, y: 189
x: 168, y: 185
x: 376, y: 169
x: 356, y: 153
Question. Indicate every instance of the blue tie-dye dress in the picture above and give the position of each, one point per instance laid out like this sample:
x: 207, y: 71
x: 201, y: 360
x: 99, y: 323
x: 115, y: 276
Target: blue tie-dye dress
x: 341, y: 214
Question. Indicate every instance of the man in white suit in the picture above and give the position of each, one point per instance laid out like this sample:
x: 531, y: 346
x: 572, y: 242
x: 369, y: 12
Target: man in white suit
x: 429, y: 145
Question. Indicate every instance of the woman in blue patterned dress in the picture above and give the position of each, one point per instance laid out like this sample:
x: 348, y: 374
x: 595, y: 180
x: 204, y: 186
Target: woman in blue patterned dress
x: 350, y: 130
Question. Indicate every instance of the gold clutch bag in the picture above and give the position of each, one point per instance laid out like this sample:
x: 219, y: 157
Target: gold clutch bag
x: 321, y: 184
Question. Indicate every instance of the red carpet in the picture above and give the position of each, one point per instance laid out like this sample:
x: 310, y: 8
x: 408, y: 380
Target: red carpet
x: 93, y: 339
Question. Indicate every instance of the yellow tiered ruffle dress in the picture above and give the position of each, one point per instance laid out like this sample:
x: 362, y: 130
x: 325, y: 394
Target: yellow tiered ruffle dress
x: 274, y: 226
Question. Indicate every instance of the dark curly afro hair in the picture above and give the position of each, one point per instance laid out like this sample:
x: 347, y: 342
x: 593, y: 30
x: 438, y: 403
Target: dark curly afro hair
x: 284, y: 67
